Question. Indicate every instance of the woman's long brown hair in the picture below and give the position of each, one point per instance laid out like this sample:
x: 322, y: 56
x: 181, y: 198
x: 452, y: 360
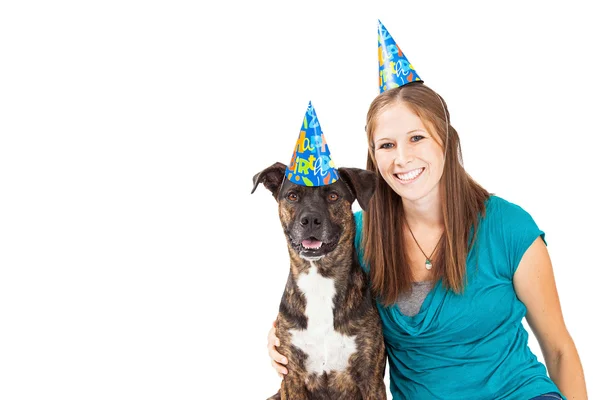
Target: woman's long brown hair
x: 463, y: 202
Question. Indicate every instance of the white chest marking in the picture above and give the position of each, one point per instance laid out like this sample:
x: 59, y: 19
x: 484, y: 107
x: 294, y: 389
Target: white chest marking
x: 327, y: 350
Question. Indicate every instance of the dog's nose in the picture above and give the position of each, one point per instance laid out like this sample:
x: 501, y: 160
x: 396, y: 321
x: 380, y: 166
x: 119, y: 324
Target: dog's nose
x: 310, y: 220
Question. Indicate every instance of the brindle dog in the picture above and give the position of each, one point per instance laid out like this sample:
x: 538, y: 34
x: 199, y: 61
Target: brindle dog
x: 328, y: 324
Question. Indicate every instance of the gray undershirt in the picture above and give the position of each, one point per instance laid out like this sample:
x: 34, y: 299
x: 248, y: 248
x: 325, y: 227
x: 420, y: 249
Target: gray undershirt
x: 410, y: 303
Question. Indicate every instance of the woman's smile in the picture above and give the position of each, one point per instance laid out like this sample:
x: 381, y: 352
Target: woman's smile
x: 410, y: 176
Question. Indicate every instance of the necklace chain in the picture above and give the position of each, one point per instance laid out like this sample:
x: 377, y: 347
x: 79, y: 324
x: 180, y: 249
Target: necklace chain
x: 428, y: 264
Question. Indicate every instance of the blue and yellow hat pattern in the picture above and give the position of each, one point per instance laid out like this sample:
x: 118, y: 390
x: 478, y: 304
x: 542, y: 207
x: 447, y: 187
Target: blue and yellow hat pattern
x: 311, y: 163
x: 394, y: 68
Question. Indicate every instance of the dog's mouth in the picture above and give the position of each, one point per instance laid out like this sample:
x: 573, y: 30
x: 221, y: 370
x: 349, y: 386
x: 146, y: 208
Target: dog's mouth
x: 313, y: 248
x: 311, y: 244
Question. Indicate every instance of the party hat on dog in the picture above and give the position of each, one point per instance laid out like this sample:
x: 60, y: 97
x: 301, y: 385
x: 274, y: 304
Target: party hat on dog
x: 311, y: 163
x: 394, y: 68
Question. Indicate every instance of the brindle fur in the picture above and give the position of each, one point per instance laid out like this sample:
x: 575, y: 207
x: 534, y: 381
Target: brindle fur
x: 354, y: 310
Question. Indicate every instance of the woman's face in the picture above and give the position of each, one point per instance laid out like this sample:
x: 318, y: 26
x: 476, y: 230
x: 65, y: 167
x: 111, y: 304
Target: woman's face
x: 408, y: 156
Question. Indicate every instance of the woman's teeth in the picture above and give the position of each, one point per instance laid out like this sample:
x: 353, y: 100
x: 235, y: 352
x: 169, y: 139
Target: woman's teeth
x: 409, y: 176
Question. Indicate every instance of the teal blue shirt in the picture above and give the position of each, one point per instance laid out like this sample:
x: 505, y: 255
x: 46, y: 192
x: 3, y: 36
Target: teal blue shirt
x: 473, y: 345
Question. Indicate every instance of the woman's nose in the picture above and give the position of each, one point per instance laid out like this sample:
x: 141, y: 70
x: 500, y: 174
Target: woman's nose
x: 402, y: 156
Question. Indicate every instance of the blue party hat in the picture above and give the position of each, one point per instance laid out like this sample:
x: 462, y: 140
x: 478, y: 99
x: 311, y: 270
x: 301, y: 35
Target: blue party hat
x: 311, y: 163
x: 394, y: 68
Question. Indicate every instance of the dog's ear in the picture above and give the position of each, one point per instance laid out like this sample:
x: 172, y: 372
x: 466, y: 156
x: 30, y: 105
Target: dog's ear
x: 271, y: 177
x: 361, y: 182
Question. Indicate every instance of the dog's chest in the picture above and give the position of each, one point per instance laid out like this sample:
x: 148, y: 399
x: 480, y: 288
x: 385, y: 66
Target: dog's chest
x: 326, y: 349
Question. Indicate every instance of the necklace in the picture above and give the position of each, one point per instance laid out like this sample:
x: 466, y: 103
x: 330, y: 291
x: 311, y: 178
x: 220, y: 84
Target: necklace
x: 428, y: 264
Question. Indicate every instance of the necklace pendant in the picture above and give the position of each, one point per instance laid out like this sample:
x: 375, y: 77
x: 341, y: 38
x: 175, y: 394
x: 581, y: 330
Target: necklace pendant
x: 428, y: 264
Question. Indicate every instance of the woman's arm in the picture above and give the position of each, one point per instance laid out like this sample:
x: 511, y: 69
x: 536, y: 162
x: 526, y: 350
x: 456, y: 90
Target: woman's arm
x: 535, y: 286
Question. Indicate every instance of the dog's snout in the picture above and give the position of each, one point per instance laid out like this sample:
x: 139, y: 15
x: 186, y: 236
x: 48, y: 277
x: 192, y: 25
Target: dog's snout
x: 311, y: 220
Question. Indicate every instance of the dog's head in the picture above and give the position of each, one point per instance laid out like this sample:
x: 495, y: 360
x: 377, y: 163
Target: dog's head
x: 316, y: 219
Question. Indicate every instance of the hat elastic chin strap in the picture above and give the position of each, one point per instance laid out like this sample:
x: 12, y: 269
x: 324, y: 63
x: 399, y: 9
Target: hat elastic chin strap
x: 447, y: 130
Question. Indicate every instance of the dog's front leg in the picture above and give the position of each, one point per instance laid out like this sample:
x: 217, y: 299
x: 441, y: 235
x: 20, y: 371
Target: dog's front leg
x: 276, y: 396
x: 372, y: 386
x: 293, y: 388
x: 374, y: 393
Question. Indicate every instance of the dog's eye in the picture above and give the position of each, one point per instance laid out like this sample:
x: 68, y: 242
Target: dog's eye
x: 292, y: 196
x: 333, y: 197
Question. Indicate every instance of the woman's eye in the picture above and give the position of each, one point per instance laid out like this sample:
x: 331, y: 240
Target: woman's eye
x: 292, y: 196
x: 386, y: 146
x: 416, y: 138
x: 333, y: 197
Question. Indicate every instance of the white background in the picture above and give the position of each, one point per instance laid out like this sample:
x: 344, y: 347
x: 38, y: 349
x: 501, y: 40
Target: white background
x: 135, y: 264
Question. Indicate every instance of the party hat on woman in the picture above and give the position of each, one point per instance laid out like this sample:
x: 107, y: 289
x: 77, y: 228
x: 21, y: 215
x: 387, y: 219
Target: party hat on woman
x: 394, y: 68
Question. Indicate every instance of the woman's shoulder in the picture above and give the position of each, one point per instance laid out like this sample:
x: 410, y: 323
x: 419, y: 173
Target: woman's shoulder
x: 510, y: 230
x: 499, y: 208
x: 509, y: 220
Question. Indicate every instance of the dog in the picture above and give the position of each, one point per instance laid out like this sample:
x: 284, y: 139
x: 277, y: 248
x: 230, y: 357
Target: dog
x: 328, y: 324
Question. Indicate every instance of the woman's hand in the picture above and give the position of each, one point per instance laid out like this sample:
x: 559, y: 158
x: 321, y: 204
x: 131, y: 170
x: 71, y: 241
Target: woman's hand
x: 277, y: 359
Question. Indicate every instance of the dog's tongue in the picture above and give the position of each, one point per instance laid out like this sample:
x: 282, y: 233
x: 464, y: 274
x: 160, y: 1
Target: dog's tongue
x: 311, y: 244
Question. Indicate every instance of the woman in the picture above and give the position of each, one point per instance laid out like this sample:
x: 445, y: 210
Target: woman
x: 454, y: 268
